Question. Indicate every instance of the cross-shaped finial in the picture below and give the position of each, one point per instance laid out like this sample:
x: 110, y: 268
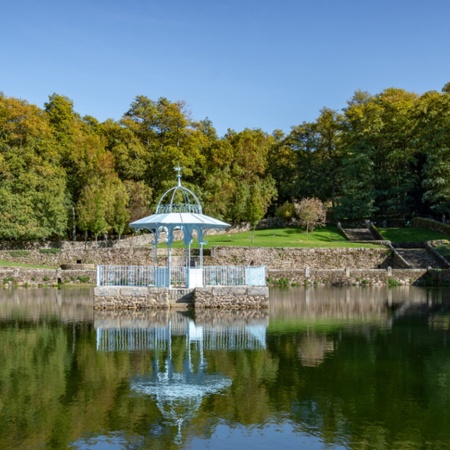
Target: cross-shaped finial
x: 178, y: 170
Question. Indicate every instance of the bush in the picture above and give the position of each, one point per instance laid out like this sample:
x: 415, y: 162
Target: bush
x: 430, y: 224
x: 84, y: 279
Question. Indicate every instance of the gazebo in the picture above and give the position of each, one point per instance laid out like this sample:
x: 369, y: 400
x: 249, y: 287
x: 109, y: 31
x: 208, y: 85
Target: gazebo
x: 179, y: 209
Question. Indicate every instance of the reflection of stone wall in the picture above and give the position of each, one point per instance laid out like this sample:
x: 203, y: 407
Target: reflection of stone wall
x: 231, y: 317
x: 135, y: 318
x: 231, y: 297
x: 347, y: 303
x: 67, y: 305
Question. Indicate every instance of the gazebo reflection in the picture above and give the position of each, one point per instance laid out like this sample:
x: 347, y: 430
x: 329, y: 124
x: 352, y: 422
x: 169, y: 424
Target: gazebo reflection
x: 178, y: 389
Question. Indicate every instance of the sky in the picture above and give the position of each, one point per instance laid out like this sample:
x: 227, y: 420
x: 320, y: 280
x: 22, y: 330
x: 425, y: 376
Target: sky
x: 268, y: 64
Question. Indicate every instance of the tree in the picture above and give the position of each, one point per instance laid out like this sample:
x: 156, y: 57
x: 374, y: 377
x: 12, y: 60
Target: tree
x: 381, y: 127
x: 356, y: 193
x: 32, y: 185
x: 311, y: 213
x: 248, y: 173
x: 92, y: 209
x: 432, y: 132
x: 258, y: 201
x: 117, y: 213
x: 165, y: 131
x: 286, y: 212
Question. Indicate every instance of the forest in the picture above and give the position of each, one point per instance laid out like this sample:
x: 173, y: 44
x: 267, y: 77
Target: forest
x: 63, y: 175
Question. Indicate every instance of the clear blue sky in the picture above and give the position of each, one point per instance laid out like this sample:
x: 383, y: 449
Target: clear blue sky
x: 268, y: 64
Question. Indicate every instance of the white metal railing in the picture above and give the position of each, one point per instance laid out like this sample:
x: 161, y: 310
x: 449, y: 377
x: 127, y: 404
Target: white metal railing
x: 179, y: 276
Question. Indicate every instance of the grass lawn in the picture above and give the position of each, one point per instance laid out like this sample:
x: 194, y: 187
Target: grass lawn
x: 280, y: 237
x: 4, y: 263
x: 410, y: 234
x: 443, y: 247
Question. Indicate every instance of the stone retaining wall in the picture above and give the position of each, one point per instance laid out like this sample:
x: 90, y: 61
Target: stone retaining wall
x: 350, y: 277
x: 155, y: 298
x: 44, y: 277
x: 332, y: 277
x: 298, y: 258
x: 106, y: 297
x: 272, y: 258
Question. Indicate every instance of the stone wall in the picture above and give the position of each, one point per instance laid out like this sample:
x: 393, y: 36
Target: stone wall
x: 301, y: 258
x: 272, y: 258
x: 45, y: 277
x: 156, y: 298
x: 351, y: 277
x: 106, y: 297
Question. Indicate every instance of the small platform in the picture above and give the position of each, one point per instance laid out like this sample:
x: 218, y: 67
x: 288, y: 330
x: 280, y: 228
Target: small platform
x: 229, y: 297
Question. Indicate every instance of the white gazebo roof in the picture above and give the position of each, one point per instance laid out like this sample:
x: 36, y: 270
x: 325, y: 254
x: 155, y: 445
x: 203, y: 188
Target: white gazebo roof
x: 178, y: 219
x: 187, y: 215
x: 179, y: 209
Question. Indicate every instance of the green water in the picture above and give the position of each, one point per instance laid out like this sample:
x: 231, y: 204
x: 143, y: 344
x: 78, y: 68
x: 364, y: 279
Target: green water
x: 352, y: 368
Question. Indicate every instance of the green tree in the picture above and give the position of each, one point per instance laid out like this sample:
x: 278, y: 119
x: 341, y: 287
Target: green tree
x: 31, y: 182
x: 92, y: 209
x: 356, y: 193
x: 381, y: 127
x: 248, y: 169
x: 118, y: 214
x: 311, y: 213
x: 260, y: 195
x: 432, y: 134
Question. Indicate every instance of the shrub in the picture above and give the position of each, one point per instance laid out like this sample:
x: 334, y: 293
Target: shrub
x: 84, y: 279
x: 430, y: 224
x: 392, y: 282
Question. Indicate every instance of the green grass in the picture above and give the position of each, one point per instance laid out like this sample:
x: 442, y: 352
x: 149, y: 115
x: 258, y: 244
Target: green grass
x: 5, y: 263
x: 280, y: 238
x: 443, y: 247
x: 410, y: 234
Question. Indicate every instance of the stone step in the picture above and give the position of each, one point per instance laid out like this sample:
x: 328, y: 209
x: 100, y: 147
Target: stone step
x: 419, y: 258
x: 359, y: 234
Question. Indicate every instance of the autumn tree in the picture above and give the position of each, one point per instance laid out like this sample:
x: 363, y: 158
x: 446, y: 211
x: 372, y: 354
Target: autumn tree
x: 32, y: 185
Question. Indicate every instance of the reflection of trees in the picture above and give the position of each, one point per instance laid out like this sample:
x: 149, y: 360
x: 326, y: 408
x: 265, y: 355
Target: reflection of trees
x: 312, y: 349
x: 389, y: 387
x: 376, y: 385
x: 68, y: 305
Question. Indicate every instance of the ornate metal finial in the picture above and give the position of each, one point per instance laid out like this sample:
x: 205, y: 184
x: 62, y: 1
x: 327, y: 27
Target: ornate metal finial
x: 185, y: 202
x: 178, y: 170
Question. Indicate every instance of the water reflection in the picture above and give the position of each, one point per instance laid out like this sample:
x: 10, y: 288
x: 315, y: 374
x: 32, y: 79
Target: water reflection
x: 34, y: 304
x: 179, y: 392
x: 323, y: 368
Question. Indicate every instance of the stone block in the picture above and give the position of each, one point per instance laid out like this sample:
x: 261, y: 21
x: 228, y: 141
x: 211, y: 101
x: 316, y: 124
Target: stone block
x: 133, y: 291
x: 258, y: 291
x: 106, y: 291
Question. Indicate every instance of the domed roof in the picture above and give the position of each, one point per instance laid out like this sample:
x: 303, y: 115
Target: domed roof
x: 179, y: 199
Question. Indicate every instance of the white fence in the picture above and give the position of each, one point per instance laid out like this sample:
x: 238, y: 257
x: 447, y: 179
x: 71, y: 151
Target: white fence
x: 146, y: 276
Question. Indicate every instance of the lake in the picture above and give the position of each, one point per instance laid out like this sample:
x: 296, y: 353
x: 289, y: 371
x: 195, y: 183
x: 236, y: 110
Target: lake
x: 323, y: 368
